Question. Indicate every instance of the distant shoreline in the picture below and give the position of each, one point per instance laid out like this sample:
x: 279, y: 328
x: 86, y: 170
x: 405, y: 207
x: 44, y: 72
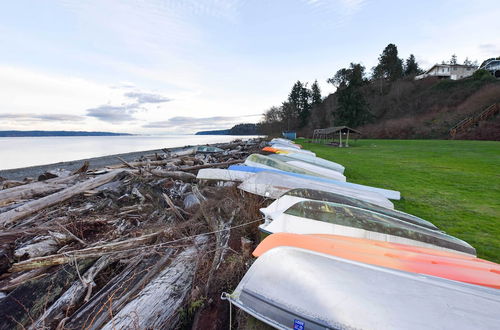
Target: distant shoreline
x: 13, y: 133
x: 94, y: 162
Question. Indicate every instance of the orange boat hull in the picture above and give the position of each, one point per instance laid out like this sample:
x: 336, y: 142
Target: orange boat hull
x: 449, y: 265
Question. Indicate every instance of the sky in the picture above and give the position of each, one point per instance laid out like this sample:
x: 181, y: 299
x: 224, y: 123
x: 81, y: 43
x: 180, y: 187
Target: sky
x: 180, y: 66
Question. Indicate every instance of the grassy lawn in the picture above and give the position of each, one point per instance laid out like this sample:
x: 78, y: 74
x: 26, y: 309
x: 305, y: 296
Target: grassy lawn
x: 453, y: 184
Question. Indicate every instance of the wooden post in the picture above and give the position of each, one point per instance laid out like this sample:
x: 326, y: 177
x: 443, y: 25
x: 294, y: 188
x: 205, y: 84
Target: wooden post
x: 347, y: 142
x: 340, y: 136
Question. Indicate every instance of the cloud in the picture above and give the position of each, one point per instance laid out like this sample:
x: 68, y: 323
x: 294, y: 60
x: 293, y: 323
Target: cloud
x: 147, y: 97
x: 41, y: 117
x: 190, y: 124
x: 114, y: 114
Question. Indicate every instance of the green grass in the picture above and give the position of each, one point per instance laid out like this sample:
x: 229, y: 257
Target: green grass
x: 453, y: 184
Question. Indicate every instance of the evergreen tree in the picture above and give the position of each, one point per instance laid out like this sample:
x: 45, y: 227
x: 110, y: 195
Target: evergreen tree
x: 453, y: 59
x: 352, y: 76
x: 352, y: 108
x: 299, y: 98
x: 467, y: 61
x: 315, y: 94
x: 390, y: 66
x: 411, y: 67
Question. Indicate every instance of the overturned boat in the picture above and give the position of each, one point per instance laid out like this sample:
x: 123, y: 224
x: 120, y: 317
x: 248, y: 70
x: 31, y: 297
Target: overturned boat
x: 275, y: 184
x: 219, y: 174
x: 294, y: 196
x: 310, y: 160
x: 391, y: 194
x: 261, y: 161
x: 289, y: 287
x: 318, y: 217
x: 453, y: 266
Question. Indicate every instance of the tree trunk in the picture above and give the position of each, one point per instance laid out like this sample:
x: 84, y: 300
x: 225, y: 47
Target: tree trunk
x: 58, y: 197
x: 156, y: 306
x: 23, y: 305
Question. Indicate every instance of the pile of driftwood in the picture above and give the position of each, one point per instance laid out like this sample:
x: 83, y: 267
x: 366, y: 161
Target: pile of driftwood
x: 134, y: 245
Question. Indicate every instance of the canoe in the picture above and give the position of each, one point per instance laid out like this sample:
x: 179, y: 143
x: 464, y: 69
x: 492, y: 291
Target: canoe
x: 296, y: 195
x: 285, y: 143
x: 207, y: 149
x: 285, y: 148
x: 273, y: 184
x: 452, y: 266
x: 261, y: 161
x: 281, y: 140
x: 218, y: 174
x: 391, y: 194
x: 318, y: 217
x: 295, y: 288
x: 256, y: 160
x: 325, y: 171
x: 311, y: 160
x: 275, y: 150
x: 280, y: 205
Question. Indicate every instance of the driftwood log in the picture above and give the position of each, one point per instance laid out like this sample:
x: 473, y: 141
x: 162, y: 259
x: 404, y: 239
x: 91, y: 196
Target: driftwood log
x: 81, y: 287
x: 11, y: 216
x: 23, y: 305
x: 95, y: 251
x: 156, y: 306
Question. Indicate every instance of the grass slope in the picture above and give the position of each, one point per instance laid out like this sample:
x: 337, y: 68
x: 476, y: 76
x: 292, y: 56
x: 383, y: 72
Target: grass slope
x: 453, y: 184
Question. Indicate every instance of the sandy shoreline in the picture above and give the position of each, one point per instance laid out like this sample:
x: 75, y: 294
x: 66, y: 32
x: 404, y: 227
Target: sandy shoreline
x: 95, y: 162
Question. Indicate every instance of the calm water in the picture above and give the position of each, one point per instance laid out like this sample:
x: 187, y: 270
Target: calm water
x: 29, y: 151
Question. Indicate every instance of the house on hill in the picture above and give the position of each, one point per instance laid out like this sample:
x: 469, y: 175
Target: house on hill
x: 492, y: 65
x: 449, y: 71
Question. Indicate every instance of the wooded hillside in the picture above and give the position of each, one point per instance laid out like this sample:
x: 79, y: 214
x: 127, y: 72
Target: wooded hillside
x: 389, y: 103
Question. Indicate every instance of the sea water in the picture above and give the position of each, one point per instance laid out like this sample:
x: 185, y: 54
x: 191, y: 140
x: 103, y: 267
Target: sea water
x: 16, y: 152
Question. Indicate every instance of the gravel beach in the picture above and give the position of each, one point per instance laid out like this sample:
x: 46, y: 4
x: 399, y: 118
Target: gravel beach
x: 96, y: 162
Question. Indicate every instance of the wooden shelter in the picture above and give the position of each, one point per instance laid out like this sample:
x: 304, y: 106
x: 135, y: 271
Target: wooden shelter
x: 323, y: 135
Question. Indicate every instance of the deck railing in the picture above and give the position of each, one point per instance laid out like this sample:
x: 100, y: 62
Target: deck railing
x: 473, y: 120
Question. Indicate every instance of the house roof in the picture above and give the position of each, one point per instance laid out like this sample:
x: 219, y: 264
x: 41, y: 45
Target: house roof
x: 331, y: 130
x: 450, y: 66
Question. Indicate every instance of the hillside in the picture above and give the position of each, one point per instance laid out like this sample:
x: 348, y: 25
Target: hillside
x: 426, y: 108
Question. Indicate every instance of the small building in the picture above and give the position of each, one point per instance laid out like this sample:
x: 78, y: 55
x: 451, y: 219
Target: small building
x: 449, y: 71
x: 324, y: 135
x: 492, y: 65
x: 290, y: 135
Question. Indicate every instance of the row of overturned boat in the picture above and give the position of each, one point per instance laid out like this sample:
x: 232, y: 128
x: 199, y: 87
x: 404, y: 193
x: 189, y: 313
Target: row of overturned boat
x: 337, y: 255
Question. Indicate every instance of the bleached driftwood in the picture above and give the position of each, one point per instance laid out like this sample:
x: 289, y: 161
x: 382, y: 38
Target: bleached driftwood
x: 118, y: 291
x: 56, y: 311
x: 95, y: 251
x: 172, y: 206
x: 224, y: 164
x: 35, y: 189
x: 42, y: 245
x: 26, y: 302
x: 176, y: 175
x: 156, y: 306
x: 58, y: 197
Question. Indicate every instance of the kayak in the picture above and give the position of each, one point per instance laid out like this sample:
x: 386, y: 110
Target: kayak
x: 311, y: 160
x: 218, y: 174
x: 273, y: 184
x: 297, y: 195
x: 261, y: 161
x: 292, y: 288
x: 391, y: 194
x: 326, y: 172
x: 281, y: 148
x: 318, y: 217
x: 452, y: 266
